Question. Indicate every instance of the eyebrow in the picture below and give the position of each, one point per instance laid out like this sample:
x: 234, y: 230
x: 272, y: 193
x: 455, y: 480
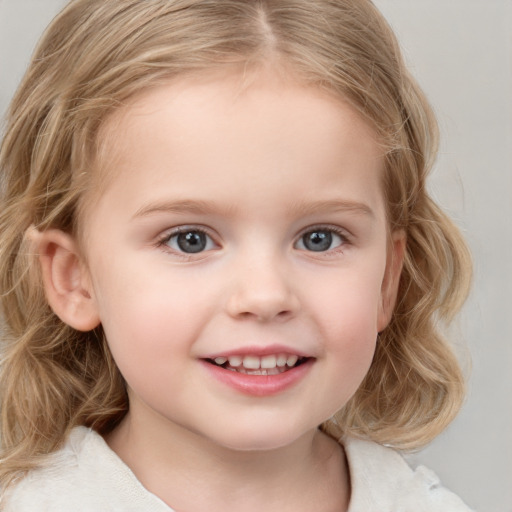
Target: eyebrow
x: 198, y: 207
x: 203, y: 207
x: 332, y: 206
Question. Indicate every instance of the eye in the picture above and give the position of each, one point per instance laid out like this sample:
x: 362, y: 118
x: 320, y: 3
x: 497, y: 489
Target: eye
x: 320, y: 240
x: 189, y: 241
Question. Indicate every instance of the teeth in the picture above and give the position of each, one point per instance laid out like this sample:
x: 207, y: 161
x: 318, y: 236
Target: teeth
x: 270, y: 362
x: 270, y: 371
x: 261, y: 371
x: 292, y: 360
x: 281, y: 360
x: 251, y: 362
x: 235, y: 361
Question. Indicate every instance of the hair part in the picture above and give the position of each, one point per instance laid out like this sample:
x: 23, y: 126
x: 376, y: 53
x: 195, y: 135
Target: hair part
x: 95, y: 57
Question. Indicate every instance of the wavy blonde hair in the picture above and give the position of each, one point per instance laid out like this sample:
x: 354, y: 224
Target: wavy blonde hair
x: 94, y: 57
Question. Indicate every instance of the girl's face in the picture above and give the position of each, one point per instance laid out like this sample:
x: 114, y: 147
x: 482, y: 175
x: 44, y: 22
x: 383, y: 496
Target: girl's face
x: 239, y: 258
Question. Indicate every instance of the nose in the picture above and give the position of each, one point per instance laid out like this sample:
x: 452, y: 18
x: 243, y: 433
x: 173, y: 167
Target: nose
x: 262, y: 290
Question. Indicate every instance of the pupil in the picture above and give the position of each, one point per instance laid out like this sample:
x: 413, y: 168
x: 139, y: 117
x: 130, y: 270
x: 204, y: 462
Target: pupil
x: 191, y: 242
x: 318, y: 240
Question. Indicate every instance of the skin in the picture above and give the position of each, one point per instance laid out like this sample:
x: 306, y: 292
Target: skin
x: 256, y: 168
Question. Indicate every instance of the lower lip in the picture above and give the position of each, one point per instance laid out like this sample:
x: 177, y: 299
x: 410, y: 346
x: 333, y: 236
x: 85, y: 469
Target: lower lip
x: 260, y: 385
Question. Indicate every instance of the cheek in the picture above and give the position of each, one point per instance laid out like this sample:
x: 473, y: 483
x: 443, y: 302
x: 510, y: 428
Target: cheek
x: 352, y: 343
x: 348, y: 317
x: 351, y: 354
x: 149, y: 346
x: 349, y: 305
x: 149, y: 319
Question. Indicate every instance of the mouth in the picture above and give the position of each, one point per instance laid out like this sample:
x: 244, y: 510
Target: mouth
x: 273, y: 364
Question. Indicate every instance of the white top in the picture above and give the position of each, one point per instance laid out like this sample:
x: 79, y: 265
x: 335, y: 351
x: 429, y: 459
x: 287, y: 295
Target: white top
x: 87, y: 476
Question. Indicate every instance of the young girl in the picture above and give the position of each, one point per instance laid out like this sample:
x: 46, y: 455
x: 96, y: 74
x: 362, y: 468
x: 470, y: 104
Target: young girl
x: 222, y: 275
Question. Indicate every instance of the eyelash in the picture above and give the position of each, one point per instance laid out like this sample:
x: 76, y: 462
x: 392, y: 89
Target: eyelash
x: 341, y: 233
x: 163, y: 242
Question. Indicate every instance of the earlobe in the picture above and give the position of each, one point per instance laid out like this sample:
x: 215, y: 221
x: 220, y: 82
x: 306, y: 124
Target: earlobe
x: 389, y: 290
x: 66, y: 281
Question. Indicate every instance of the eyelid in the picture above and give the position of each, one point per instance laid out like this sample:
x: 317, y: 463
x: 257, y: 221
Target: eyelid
x: 343, y: 232
x: 167, y: 235
x: 337, y: 230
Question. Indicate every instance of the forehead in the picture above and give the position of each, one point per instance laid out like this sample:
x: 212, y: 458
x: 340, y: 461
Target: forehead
x: 266, y: 122
x: 217, y: 96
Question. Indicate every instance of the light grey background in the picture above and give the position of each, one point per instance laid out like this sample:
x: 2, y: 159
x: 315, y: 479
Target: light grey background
x: 461, y: 52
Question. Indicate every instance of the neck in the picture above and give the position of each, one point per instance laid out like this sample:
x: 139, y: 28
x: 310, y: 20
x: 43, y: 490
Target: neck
x: 192, y: 473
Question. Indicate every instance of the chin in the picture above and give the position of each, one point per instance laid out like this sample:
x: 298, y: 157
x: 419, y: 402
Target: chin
x: 259, y: 440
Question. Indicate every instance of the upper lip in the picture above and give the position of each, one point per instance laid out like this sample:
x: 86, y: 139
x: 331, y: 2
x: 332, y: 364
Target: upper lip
x: 258, y: 351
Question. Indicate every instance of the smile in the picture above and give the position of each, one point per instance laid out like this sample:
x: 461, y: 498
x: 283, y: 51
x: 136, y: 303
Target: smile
x: 269, y: 365
x: 259, y: 376
x: 273, y: 364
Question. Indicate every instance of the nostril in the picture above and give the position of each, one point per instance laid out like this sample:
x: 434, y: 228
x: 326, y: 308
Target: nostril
x: 262, y: 302
x: 271, y: 315
x: 265, y: 316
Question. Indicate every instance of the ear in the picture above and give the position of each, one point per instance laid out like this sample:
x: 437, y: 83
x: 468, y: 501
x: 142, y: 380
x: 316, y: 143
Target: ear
x: 389, y: 290
x: 66, y: 280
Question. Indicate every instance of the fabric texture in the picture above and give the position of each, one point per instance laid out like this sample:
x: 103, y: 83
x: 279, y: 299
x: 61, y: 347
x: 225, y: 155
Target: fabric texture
x: 87, y: 476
